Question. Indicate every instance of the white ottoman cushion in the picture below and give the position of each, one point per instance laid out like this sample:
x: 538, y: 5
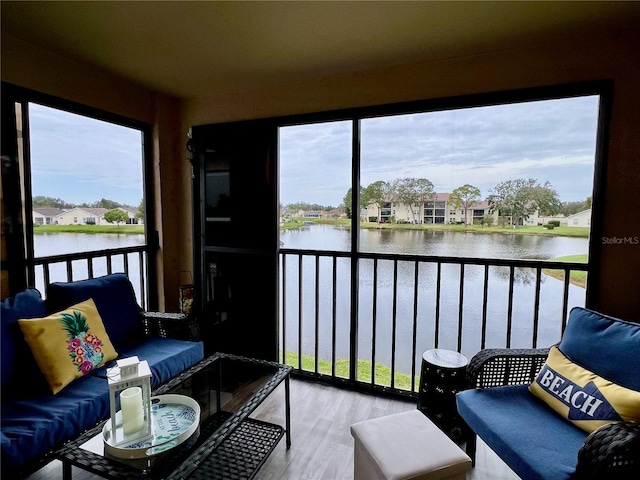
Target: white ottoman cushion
x: 404, y: 446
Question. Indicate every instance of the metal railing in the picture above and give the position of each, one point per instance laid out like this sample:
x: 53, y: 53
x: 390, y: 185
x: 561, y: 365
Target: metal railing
x: 84, y: 265
x: 408, y: 304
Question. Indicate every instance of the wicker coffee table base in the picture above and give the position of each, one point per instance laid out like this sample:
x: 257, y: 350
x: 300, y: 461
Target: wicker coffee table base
x: 239, y: 457
x: 242, y: 454
x: 226, y: 445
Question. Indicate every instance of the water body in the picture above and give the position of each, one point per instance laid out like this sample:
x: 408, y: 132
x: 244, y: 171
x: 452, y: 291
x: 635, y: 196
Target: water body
x: 424, y: 243
x: 437, y: 243
x: 389, y: 241
x: 46, y: 244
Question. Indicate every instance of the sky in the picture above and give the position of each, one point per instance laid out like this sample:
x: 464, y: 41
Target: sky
x: 82, y: 160
x: 550, y: 140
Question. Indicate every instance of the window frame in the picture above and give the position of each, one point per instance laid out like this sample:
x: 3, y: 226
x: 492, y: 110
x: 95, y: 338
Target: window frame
x: 602, y: 88
x: 12, y: 95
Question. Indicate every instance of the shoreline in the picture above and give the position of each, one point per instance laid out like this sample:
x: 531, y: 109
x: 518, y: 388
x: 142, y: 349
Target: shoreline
x: 576, y: 232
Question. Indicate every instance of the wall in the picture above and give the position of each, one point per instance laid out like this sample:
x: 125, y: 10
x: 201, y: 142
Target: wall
x: 172, y: 189
x: 608, y: 56
x: 31, y: 67
x: 25, y: 65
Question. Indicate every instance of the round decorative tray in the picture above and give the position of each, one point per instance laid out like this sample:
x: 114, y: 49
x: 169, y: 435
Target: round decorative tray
x: 174, y: 418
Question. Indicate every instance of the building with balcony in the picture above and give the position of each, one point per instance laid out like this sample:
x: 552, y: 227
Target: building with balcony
x: 439, y: 211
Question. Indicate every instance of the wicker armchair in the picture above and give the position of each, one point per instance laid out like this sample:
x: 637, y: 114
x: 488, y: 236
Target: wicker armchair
x: 612, y: 451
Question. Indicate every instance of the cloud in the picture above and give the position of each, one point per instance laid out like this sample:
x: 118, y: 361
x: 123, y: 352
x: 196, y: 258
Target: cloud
x: 550, y: 140
x: 83, y: 160
x: 80, y: 159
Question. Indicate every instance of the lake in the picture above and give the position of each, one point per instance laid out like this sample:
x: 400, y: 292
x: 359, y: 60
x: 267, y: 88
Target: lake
x: 437, y: 243
x: 320, y: 237
x: 454, y: 244
x: 46, y: 244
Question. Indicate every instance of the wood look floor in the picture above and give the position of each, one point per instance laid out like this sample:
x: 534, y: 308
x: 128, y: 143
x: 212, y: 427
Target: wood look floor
x: 322, y: 446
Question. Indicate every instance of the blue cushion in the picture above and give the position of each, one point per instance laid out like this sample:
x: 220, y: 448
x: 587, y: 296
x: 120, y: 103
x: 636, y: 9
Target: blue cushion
x: 17, y: 359
x: 167, y: 357
x: 605, y: 345
x: 31, y: 427
x: 532, y: 439
x: 114, y: 297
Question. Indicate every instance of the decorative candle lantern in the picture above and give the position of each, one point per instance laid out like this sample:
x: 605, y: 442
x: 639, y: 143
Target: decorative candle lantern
x: 186, y: 292
x: 186, y: 299
x: 130, y: 387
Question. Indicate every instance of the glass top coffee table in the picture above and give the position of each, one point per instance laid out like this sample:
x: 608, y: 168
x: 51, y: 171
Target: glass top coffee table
x: 228, y: 443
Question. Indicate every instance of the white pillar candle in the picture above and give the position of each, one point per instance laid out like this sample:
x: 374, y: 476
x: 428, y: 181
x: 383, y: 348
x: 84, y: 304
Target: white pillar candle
x: 131, y: 406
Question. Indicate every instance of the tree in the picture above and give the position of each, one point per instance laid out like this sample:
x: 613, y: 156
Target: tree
x: 487, y: 220
x: 466, y: 197
x: 522, y: 197
x: 347, y: 201
x: 116, y: 216
x: 104, y: 203
x: 411, y: 191
x: 570, y: 208
x: 41, y: 201
x: 546, y: 199
x: 307, y: 206
x: 375, y: 193
x: 140, y: 214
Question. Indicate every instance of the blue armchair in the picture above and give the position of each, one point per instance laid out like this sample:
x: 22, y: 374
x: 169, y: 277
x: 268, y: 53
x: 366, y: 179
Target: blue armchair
x: 529, y: 432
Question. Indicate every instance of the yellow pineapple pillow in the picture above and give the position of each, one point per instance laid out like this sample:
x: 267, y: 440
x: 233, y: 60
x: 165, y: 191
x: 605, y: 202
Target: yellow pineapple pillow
x: 582, y: 397
x: 68, y: 344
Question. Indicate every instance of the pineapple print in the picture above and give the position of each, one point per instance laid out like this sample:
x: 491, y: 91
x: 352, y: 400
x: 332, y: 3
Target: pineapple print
x: 85, y: 349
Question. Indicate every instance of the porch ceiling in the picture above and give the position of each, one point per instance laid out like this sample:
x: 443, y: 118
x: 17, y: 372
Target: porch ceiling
x: 189, y: 49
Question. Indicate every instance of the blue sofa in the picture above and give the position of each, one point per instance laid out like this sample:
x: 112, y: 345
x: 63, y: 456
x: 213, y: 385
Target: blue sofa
x: 33, y: 420
x: 536, y: 440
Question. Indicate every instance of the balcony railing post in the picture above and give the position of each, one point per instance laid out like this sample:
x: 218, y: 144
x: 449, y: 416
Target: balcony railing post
x: 283, y: 309
x: 414, y: 328
x: 460, y: 307
x: 70, y: 267
x: 355, y: 245
x: 485, y: 298
x: 407, y: 321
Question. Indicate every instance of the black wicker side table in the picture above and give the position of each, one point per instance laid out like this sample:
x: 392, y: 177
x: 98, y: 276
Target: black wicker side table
x: 441, y: 377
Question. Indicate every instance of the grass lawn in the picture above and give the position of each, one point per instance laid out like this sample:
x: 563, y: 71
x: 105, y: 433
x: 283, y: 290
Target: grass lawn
x: 523, y: 230
x: 133, y: 229
x: 577, y: 278
x: 383, y: 373
x: 299, y: 222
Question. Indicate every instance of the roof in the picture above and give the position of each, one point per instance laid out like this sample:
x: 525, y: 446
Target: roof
x: 48, y: 211
x: 582, y: 212
x: 92, y: 210
x: 129, y: 209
